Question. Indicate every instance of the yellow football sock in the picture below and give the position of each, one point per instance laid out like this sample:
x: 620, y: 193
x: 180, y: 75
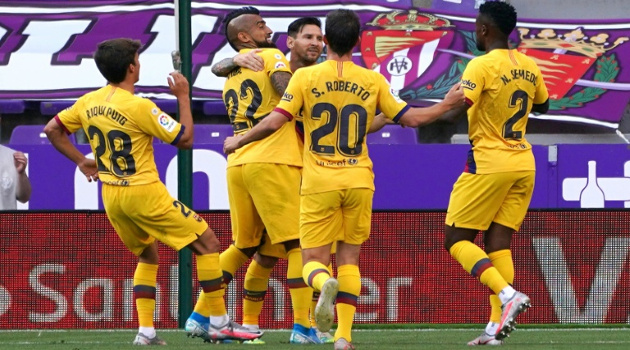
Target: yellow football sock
x: 476, y: 262
x: 211, y: 280
x: 254, y: 291
x: 315, y: 274
x: 144, y: 289
x: 349, y: 279
x: 231, y: 260
x: 502, y: 261
x: 301, y: 294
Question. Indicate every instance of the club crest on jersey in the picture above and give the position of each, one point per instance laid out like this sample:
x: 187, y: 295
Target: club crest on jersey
x: 166, y: 122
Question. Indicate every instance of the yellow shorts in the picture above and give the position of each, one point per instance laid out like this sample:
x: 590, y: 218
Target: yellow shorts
x: 264, y: 197
x: 478, y: 200
x: 142, y: 214
x: 343, y: 215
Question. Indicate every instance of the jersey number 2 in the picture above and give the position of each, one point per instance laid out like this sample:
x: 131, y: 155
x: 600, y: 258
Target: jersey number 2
x: 518, y: 99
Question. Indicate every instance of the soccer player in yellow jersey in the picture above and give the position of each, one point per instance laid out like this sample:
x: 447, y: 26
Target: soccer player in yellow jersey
x: 263, y: 179
x: 338, y: 100
x: 121, y: 128
x: 493, y: 193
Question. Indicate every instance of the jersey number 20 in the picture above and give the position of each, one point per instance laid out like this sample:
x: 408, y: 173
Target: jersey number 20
x: 350, y: 118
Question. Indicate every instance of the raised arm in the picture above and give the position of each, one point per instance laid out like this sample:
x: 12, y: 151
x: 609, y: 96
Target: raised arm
x: 249, y: 59
x: 180, y: 88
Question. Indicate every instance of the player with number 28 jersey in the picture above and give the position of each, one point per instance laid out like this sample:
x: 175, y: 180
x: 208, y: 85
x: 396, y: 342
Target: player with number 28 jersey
x: 122, y: 126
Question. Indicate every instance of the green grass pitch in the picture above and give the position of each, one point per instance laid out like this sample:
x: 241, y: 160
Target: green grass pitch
x: 425, y: 337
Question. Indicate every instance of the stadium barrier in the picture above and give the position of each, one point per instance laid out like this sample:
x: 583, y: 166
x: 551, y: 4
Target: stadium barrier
x: 69, y: 270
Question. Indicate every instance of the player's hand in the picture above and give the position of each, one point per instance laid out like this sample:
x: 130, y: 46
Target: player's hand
x: 455, y: 96
x: 250, y: 60
x: 178, y: 84
x: 89, y: 169
x: 231, y: 144
x: 20, y: 161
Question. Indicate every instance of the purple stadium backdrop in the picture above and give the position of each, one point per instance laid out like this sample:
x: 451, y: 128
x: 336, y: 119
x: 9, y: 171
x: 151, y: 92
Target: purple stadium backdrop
x: 45, y: 49
x: 408, y: 177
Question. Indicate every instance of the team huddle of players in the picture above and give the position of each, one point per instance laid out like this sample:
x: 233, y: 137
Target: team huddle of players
x: 300, y: 181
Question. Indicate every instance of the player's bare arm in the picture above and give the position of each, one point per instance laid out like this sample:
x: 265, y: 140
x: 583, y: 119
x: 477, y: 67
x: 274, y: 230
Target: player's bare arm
x: 266, y: 127
x: 380, y: 120
x: 280, y: 81
x: 181, y: 89
x: 454, y: 114
x: 419, y: 116
x: 541, y: 108
x: 61, y: 142
x: 250, y: 60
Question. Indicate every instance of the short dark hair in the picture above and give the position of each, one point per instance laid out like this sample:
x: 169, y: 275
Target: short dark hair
x: 114, y: 56
x: 246, y: 10
x: 342, y: 30
x: 502, y: 14
x: 296, y: 26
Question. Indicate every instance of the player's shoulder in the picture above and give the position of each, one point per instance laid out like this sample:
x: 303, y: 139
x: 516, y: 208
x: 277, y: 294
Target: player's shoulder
x: 272, y: 53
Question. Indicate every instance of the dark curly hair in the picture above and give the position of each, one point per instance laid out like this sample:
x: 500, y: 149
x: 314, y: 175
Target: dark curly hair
x: 502, y: 14
x: 247, y: 10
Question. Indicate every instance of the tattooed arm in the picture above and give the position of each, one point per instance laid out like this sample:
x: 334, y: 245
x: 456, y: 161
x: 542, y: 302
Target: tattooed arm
x: 280, y: 80
x: 250, y: 60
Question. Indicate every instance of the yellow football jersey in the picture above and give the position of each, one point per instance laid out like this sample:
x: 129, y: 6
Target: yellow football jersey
x: 501, y: 87
x: 338, y: 101
x: 120, y: 128
x: 249, y: 96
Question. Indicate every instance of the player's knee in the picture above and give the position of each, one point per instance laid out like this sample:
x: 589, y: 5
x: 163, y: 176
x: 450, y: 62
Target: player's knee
x: 290, y: 245
x: 266, y: 261
x: 206, y: 243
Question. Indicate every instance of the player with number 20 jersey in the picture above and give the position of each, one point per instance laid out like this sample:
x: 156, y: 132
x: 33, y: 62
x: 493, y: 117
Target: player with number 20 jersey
x: 335, y: 154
